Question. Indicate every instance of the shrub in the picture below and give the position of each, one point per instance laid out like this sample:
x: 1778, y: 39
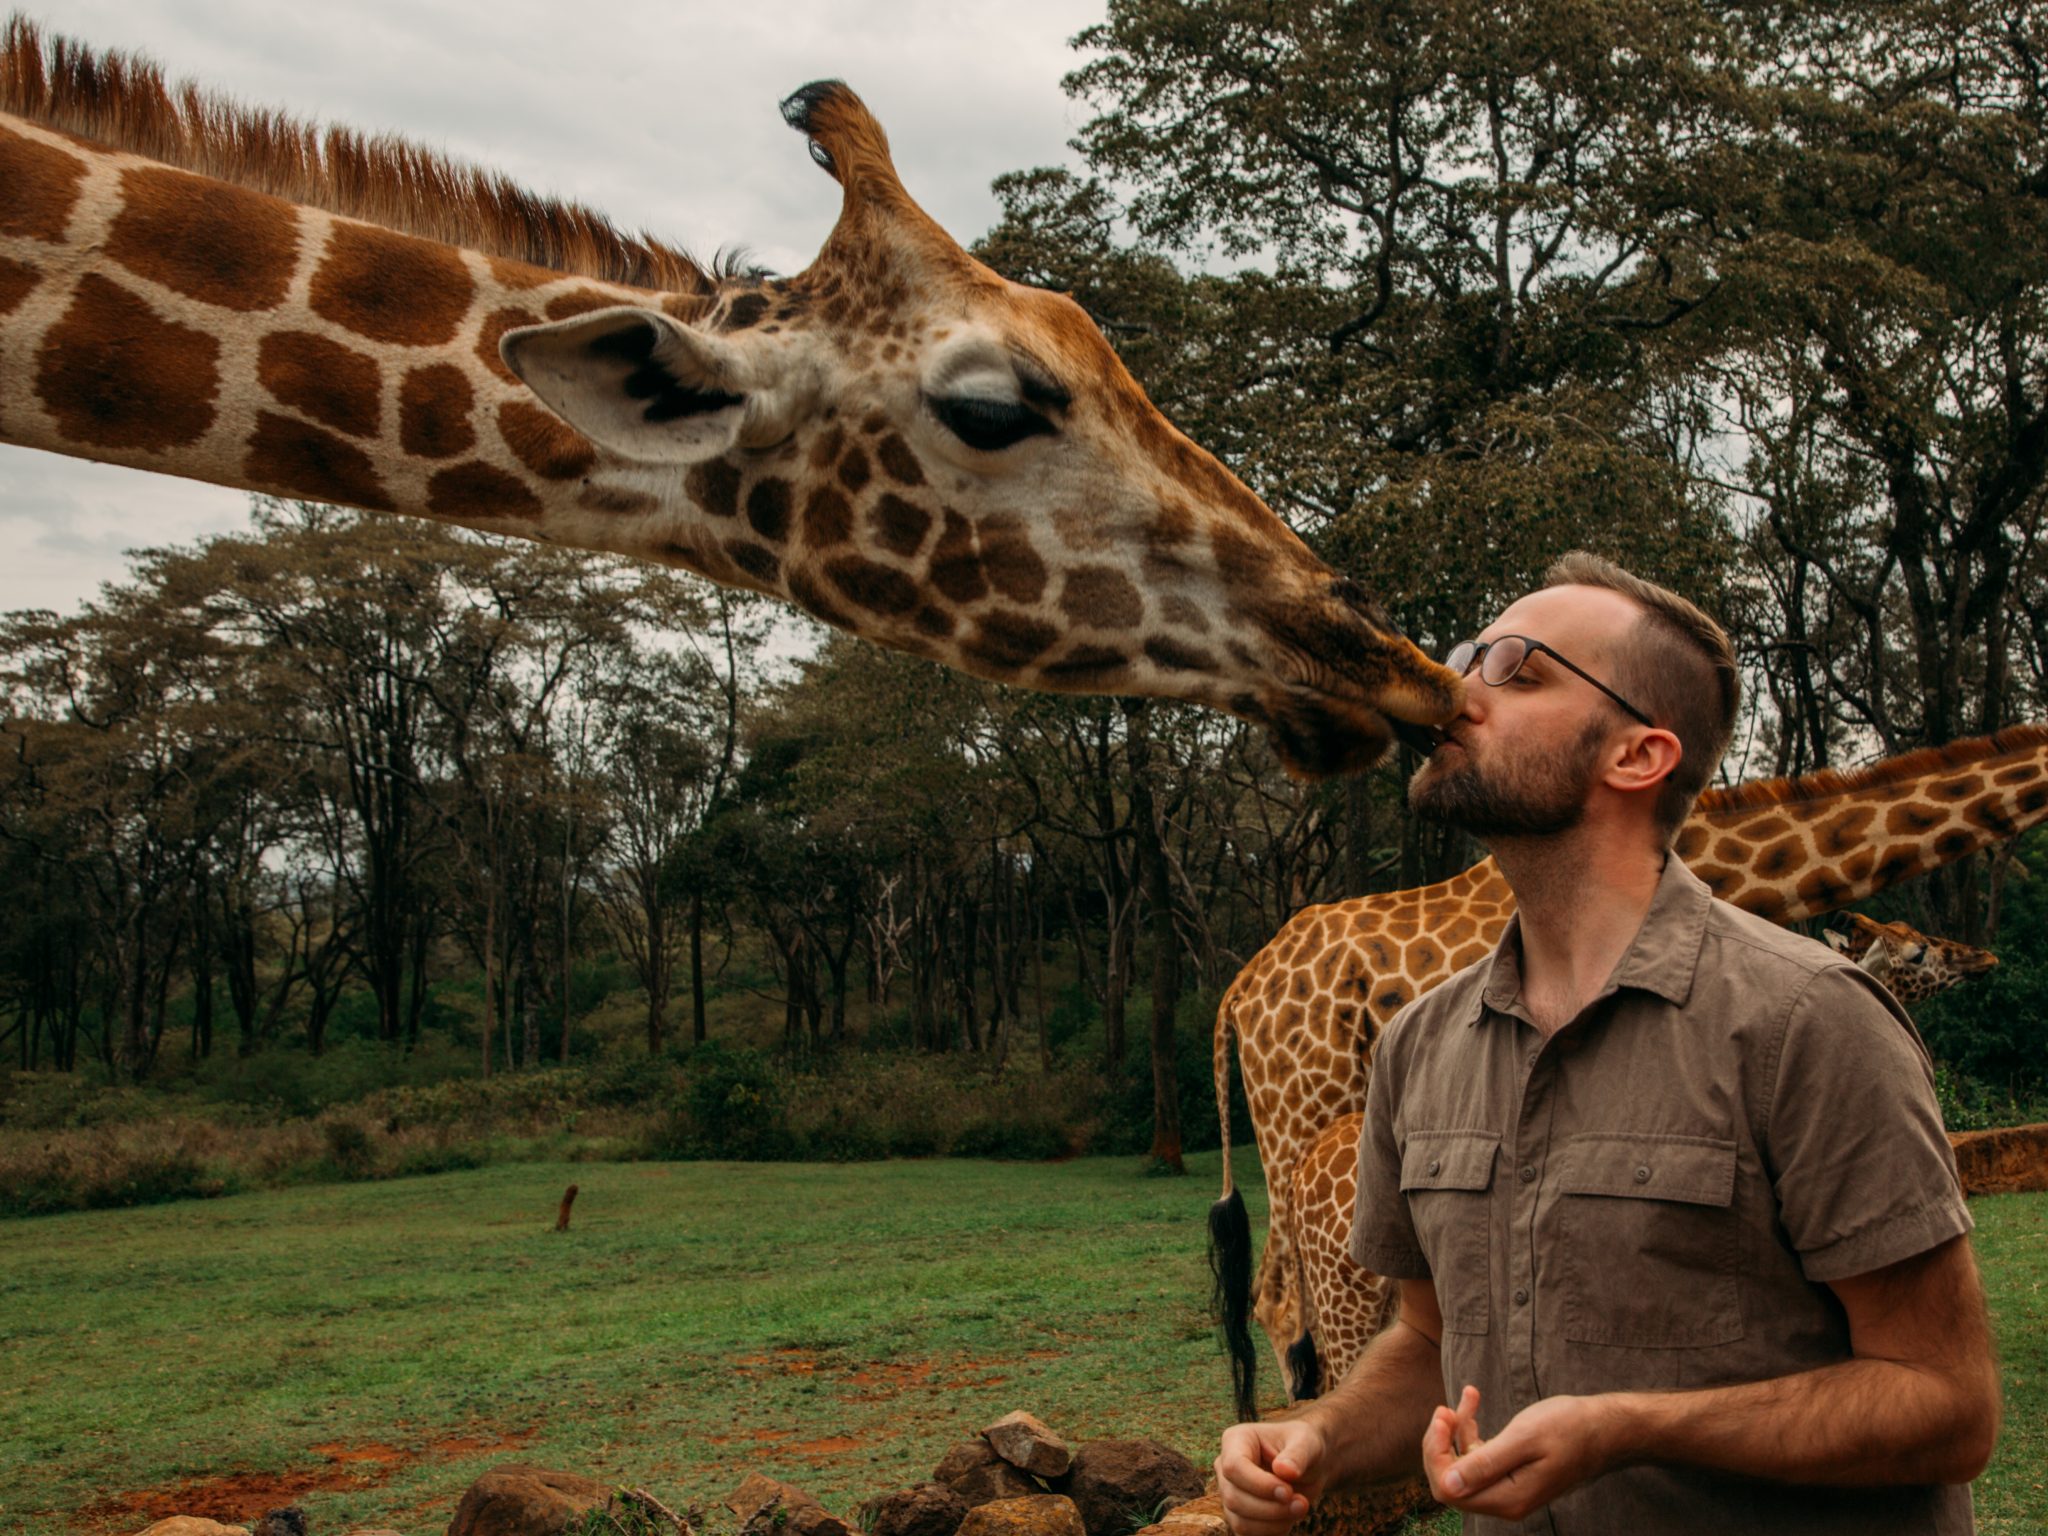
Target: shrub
x: 736, y: 1101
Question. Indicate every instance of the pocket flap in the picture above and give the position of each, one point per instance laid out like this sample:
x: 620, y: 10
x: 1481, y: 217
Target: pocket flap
x: 1696, y: 1169
x: 1449, y: 1159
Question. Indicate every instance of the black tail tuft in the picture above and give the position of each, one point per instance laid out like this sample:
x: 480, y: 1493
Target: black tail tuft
x: 1304, y: 1370
x: 1230, y: 1261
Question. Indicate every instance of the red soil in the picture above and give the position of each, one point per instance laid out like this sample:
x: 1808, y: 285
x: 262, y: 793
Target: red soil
x: 240, y: 1497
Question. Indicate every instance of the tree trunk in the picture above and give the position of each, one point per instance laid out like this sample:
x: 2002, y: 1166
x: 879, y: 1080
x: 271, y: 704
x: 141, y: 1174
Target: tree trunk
x: 1152, y: 874
x: 490, y: 954
x: 697, y: 967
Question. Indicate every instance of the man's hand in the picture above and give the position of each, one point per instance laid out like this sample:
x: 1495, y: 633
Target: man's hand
x: 1268, y: 1474
x: 1546, y: 1450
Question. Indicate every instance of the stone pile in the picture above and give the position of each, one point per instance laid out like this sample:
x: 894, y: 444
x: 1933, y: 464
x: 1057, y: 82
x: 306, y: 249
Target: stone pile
x: 1017, y: 1477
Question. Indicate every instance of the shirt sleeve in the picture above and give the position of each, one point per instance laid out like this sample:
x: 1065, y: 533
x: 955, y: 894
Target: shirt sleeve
x: 1382, y: 1236
x: 1862, y: 1167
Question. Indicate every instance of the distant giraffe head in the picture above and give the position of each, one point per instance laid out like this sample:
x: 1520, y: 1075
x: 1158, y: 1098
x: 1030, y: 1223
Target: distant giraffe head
x: 1912, y: 966
x: 897, y: 440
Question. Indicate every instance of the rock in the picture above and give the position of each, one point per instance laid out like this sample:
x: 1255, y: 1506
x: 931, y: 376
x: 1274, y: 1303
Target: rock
x: 1118, y: 1484
x: 515, y: 1500
x: 290, y: 1521
x: 759, y: 1499
x: 192, y: 1525
x: 929, y: 1509
x: 1192, y: 1517
x: 973, y: 1470
x: 1024, y: 1442
x: 1045, y: 1514
x: 2011, y: 1161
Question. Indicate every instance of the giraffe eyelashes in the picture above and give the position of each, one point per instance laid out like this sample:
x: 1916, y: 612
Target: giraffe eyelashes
x: 989, y: 425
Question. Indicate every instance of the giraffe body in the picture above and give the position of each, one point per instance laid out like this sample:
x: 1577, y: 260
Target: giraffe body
x: 1307, y: 1009
x: 896, y: 440
x: 1344, y: 1305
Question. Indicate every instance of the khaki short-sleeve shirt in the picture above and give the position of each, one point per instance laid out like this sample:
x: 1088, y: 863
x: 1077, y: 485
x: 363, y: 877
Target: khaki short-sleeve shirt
x: 1653, y: 1198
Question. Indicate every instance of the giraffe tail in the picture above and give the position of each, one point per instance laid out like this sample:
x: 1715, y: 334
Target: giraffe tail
x: 1230, y: 1246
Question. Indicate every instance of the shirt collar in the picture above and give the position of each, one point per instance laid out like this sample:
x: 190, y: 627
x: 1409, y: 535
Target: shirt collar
x: 1663, y: 958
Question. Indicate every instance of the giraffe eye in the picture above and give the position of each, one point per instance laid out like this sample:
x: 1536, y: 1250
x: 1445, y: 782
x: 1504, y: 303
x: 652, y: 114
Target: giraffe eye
x: 990, y: 425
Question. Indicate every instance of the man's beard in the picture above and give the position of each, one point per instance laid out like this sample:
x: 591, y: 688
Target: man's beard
x: 1531, y: 795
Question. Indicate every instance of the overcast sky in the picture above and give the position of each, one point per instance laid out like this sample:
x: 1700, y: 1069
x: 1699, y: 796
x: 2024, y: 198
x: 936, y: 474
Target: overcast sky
x: 659, y: 113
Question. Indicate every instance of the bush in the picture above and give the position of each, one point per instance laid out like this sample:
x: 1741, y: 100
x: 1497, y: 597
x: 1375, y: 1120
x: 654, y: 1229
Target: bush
x: 736, y: 1101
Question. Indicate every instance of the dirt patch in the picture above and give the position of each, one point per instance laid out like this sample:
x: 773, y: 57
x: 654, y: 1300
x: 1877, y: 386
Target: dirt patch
x: 242, y: 1497
x: 832, y: 1445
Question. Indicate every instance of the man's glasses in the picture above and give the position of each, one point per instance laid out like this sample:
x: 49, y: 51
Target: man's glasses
x: 1499, y: 660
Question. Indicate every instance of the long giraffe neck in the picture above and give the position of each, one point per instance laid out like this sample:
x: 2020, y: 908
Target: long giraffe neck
x: 170, y: 322
x: 1788, y: 849
x: 896, y: 440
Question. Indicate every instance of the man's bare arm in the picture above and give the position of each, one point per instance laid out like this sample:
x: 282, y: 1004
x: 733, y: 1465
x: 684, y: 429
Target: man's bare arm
x: 1919, y: 1403
x: 1367, y: 1429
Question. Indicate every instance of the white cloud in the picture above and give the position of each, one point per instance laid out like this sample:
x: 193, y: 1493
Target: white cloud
x: 660, y: 114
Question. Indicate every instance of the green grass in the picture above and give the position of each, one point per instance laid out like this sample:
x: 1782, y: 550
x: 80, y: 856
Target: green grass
x: 369, y: 1348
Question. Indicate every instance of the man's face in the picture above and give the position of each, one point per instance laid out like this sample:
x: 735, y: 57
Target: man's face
x: 1521, y: 760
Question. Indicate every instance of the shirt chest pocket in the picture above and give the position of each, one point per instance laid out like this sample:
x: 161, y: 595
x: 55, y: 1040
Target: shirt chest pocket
x: 1446, y: 1178
x: 1650, y: 1242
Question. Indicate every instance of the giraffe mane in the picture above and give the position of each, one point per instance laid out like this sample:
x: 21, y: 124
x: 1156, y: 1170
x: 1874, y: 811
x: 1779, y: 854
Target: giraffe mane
x: 121, y: 99
x: 1830, y: 782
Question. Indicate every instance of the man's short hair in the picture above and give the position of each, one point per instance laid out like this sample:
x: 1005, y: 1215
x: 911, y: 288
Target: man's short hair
x: 1678, y: 667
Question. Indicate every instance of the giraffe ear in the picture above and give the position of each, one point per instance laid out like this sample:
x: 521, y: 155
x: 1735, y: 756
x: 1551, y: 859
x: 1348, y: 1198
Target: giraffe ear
x: 643, y: 385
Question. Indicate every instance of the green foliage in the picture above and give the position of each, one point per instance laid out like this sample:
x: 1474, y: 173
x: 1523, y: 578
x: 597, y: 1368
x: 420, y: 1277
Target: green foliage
x: 734, y: 1103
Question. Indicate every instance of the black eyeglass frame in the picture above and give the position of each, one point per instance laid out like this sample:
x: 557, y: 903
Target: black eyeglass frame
x: 1467, y: 654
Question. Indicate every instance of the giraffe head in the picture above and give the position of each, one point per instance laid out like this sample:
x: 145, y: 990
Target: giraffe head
x: 913, y: 448
x: 1913, y: 966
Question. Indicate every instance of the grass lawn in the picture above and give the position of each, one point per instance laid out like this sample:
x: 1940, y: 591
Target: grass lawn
x: 367, y: 1349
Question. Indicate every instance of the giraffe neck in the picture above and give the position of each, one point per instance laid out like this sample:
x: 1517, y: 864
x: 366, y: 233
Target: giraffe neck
x: 1789, y: 849
x: 193, y: 327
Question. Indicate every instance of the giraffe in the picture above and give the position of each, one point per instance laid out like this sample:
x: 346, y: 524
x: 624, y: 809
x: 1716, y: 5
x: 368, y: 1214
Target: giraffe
x: 1307, y: 1008
x: 895, y: 440
x: 1911, y: 964
x: 1343, y: 1305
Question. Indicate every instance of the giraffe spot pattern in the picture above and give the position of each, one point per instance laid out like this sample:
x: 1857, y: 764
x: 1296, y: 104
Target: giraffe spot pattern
x: 392, y: 288
x: 433, y: 412
x: 1820, y: 889
x: 579, y: 301
x: 898, y: 526
x: 756, y: 560
x: 1101, y: 597
x: 1012, y: 566
x: 517, y: 275
x: 116, y: 375
x: 935, y: 622
x: 39, y: 186
x: 768, y: 504
x: 1956, y: 789
x: 1989, y: 812
x: 828, y: 518
x: 714, y: 486
x: 810, y: 597
x: 1004, y: 641
x: 303, y: 460
x: 1843, y: 831
x: 1908, y: 819
x: 1085, y: 664
x: 1183, y: 613
x: 854, y: 471
x: 875, y: 587
x: 543, y: 442
x: 477, y: 489
x: 898, y: 462
x: 333, y: 384
x: 1175, y: 656
x: 17, y: 282
x: 1779, y: 858
x: 495, y: 325
x: 743, y: 312
x: 210, y: 241
x: 956, y: 568
x: 2019, y: 773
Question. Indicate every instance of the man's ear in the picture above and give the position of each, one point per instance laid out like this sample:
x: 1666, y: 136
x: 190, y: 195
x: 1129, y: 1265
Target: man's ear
x: 649, y: 388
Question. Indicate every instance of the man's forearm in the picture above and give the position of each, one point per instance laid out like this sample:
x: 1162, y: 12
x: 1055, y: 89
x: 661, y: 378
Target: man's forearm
x: 1859, y: 1422
x: 1372, y: 1421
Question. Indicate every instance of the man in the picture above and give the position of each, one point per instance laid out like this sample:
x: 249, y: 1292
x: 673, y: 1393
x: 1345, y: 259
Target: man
x: 1679, y: 1237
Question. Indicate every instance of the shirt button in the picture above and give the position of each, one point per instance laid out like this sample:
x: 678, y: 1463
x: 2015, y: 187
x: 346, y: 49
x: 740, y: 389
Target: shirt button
x: 1521, y: 1296
x: 1642, y: 1175
x: 1528, y: 1174
x: 1436, y: 1167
